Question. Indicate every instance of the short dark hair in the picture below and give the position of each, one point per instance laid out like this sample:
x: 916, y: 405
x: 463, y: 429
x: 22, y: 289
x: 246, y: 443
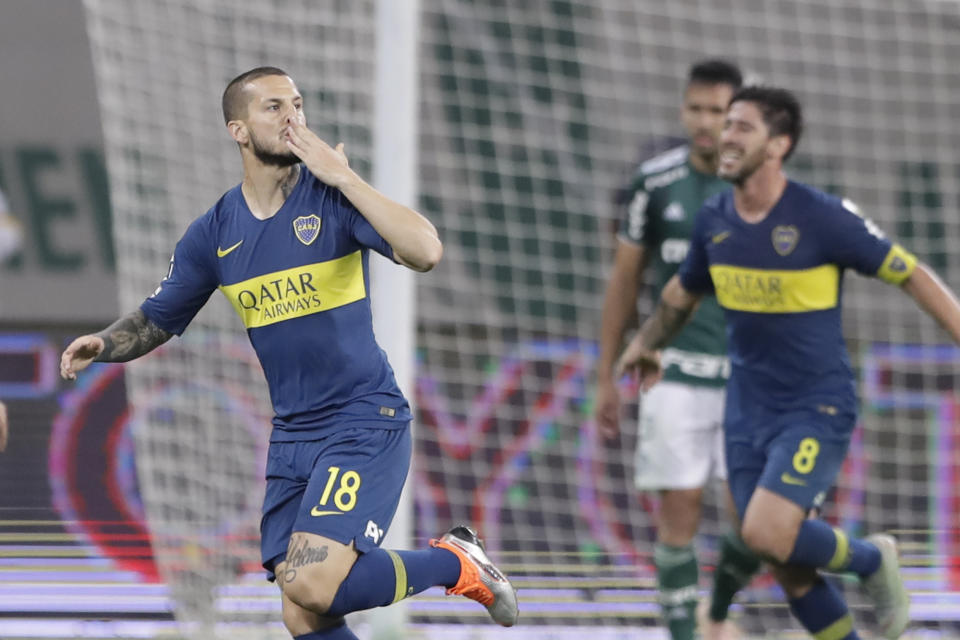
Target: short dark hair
x: 233, y: 102
x: 715, y: 71
x: 780, y: 108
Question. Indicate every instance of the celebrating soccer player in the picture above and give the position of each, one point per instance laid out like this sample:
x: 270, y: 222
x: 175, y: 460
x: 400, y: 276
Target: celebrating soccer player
x: 680, y: 444
x: 774, y: 251
x: 289, y: 248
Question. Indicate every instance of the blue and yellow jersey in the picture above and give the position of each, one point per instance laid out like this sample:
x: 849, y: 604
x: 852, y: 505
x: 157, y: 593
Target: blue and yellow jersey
x: 300, y: 283
x: 780, y: 283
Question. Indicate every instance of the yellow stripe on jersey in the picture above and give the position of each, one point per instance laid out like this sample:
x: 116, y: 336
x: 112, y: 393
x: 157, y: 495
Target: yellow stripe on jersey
x: 897, y: 266
x: 301, y: 291
x: 772, y: 291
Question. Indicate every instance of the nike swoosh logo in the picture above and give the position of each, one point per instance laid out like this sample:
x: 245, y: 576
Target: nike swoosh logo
x: 720, y: 237
x: 786, y: 478
x: 223, y: 252
x: 318, y: 512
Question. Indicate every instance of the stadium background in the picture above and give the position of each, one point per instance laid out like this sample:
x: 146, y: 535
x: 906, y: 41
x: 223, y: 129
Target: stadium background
x: 531, y: 116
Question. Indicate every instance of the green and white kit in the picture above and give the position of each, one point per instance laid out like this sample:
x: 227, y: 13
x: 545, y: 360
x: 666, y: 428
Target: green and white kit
x: 680, y: 443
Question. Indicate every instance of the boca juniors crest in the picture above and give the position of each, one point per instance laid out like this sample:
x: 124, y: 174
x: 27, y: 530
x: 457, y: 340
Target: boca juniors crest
x: 307, y: 228
x: 785, y: 239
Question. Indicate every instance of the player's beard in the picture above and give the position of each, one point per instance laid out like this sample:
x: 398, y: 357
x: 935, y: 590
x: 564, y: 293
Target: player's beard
x: 705, y: 151
x: 748, y: 166
x: 271, y: 158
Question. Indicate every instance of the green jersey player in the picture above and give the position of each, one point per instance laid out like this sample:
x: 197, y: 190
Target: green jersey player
x: 680, y: 444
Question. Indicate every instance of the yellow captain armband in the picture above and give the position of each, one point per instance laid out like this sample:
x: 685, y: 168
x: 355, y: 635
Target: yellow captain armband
x: 897, y: 266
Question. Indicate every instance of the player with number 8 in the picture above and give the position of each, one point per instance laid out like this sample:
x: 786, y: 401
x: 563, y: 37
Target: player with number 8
x: 791, y: 400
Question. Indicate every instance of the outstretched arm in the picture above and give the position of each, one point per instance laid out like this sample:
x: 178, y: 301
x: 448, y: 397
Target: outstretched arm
x: 934, y: 297
x: 412, y: 237
x: 672, y: 313
x: 128, y: 338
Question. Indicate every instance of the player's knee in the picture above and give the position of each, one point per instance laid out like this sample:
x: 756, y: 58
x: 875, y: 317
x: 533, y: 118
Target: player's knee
x: 314, y: 595
x: 795, y: 581
x: 766, y: 539
x: 313, y: 570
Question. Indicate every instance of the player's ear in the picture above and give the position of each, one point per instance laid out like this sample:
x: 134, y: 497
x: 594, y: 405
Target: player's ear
x: 780, y: 145
x: 238, y: 131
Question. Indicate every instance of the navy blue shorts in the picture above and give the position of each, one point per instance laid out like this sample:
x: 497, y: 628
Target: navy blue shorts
x: 798, y: 457
x: 345, y: 486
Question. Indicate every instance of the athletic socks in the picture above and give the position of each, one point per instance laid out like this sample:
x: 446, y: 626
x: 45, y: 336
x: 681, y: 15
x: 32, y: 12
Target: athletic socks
x: 381, y: 577
x: 823, y: 613
x: 735, y: 569
x: 821, y: 546
x: 677, y: 580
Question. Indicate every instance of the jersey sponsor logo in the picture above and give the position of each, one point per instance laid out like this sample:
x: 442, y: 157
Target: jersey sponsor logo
x: 785, y: 239
x: 673, y: 251
x: 307, y: 228
x: 222, y: 252
x: 786, y: 478
x: 674, y: 212
x: 698, y: 365
x: 897, y: 266
x: 719, y: 237
x: 300, y: 291
x: 317, y: 513
x: 773, y: 291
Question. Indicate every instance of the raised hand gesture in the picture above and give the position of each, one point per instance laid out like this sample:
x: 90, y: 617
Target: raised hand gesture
x: 327, y: 163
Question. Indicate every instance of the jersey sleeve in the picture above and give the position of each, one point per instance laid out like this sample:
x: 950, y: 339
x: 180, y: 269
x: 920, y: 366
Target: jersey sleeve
x: 638, y: 224
x: 694, y: 271
x: 857, y: 243
x: 361, y: 229
x: 190, y: 280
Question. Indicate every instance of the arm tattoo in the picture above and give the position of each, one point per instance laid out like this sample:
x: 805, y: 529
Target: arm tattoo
x: 666, y: 322
x: 130, y: 337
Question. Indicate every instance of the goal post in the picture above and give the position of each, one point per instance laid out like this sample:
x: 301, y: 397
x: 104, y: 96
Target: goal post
x: 393, y: 296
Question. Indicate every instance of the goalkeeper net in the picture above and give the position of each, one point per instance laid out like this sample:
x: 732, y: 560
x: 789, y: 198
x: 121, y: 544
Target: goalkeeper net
x: 532, y: 116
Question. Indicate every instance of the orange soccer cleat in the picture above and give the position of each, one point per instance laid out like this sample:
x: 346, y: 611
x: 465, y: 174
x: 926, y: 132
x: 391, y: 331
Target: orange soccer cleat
x: 479, y: 579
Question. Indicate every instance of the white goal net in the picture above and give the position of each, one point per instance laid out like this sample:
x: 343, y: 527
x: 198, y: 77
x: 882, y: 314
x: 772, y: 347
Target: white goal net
x: 532, y: 115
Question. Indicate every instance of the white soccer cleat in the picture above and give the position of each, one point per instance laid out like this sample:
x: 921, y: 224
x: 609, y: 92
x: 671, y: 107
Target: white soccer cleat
x: 891, y: 601
x: 710, y: 629
x: 479, y: 579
